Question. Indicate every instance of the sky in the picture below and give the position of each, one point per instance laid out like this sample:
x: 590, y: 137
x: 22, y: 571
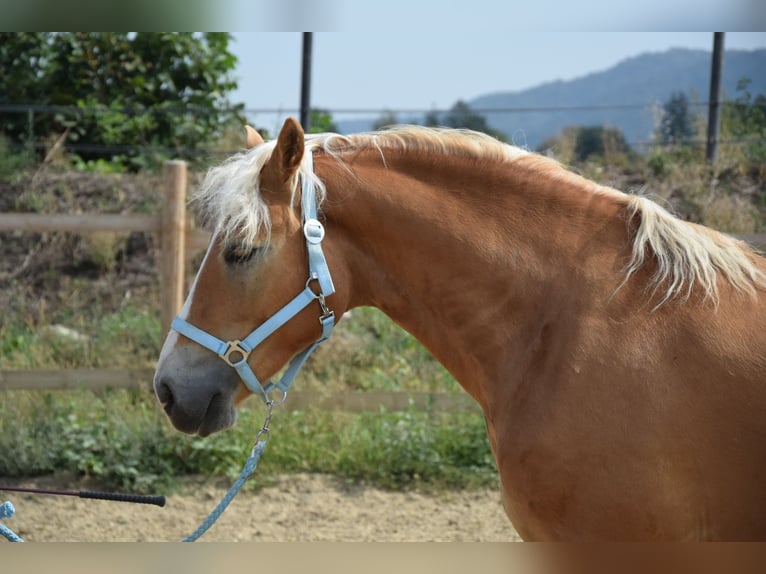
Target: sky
x: 373, y: 71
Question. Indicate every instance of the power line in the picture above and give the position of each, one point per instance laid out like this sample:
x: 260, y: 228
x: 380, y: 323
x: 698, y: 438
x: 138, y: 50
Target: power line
x: 77, y: 110
x: 85, y: 147
x: 201, y: 153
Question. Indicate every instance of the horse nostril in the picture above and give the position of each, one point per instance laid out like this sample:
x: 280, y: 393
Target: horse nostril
x: 164, y: 395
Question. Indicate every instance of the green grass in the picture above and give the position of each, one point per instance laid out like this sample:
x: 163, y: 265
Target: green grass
x: 13, y: 162
x: 125, y: 338
x: 369, y: 352
x: 123, y: 440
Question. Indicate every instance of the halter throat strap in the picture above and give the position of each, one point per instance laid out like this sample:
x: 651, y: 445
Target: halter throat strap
x: 319, y: 286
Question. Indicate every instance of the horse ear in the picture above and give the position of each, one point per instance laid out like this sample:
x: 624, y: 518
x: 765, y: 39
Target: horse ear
x: 288, y: 152
x: 252, y: 137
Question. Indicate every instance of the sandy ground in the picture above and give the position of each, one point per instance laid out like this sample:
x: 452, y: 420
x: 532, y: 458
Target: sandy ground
x: 297, y: 508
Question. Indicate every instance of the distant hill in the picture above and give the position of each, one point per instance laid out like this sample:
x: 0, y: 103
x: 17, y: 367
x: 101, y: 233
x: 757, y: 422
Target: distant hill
x: 624, y: 93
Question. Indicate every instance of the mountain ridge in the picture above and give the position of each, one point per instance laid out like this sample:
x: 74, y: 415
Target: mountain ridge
x: 628, y: 95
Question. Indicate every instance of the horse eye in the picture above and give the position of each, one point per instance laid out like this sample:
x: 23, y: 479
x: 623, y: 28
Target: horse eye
x: 239, y: 254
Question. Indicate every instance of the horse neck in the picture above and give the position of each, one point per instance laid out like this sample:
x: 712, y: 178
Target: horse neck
x: 466, y: 259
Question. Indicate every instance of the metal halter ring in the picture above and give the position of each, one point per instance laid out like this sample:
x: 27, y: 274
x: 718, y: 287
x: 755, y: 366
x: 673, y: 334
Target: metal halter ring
x: 234, y: 347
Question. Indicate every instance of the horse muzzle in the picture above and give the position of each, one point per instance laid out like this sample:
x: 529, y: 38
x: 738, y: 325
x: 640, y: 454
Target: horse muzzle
x: 198, y: 400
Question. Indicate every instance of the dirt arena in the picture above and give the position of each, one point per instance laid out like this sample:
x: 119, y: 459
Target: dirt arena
x: 298, y: 508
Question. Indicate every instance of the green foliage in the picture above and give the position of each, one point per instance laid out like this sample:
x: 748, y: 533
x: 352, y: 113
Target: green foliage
x: 743, y: 135
x: 402, y: 449
x: 124, y: 338
x: 589, y: 142
x: 432, y: 119
x: 744, y: 119
x: 387, y: 118
x: 659, y: 163
x: 13, y: 162
x: 321, y: 122
x: 120, y: 90
x: 460, y: 115
x: 369, y: 352
x: 599, y: 141
x: 25, y: 57
x: 579, y: 144
x: 677, y: 124
x: 115, y: 165
x: 115, y: 438
x: 663, y: 161
x: 122, y: 439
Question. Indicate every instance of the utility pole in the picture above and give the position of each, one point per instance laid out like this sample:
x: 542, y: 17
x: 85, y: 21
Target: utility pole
x: 306, y: 83
x: 714, y: 110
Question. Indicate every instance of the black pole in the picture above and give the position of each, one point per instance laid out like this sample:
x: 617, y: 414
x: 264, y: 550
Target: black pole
x: 306, y: 83
x: 113, y: 496
x: 714, y: 111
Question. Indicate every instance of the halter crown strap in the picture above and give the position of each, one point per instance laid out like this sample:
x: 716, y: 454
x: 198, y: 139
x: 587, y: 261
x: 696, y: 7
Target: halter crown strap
x: 235, y: 353
x: 313, y: 230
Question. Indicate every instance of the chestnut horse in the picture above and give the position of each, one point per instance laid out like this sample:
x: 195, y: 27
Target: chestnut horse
x: 618, y: 353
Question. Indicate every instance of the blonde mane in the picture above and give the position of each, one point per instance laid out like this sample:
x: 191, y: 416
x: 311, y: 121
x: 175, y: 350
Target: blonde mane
x: 685, y: 255
x: 229, y: 199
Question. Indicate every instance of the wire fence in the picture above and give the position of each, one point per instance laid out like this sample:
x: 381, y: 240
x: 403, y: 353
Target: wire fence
x: 350, y: 120
x: 80, y: 110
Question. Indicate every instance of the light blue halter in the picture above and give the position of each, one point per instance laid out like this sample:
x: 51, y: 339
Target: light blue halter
x: 235, y: 352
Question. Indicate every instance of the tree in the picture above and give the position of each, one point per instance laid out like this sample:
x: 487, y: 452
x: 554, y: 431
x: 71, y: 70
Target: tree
x: 321, y: 122
x: 116, y: 92
x: 24, y: 56
x: 387, y: 118
x: 599, y: 141
x: 460, y: 115
x: 744, y: 120
x: 676, y: 126
x: 432, y: 119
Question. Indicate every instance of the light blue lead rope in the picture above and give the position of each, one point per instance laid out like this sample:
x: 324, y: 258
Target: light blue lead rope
x: 318, y: 271
x: 6, y: 511
x: 247, y: 472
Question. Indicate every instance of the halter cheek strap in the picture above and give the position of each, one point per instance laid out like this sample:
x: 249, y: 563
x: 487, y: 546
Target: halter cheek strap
x: 236, y: 352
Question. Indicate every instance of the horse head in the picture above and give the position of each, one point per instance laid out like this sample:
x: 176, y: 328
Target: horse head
x: 256, y: 262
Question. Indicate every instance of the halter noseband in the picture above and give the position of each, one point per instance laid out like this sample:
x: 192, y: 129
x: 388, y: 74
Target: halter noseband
x: 235, y: 353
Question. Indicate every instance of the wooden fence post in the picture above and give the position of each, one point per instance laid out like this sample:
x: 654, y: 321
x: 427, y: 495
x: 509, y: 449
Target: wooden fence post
x: 173, y: 242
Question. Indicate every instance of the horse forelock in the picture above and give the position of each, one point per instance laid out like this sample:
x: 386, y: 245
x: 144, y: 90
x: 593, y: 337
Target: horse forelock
x: 229, y: 200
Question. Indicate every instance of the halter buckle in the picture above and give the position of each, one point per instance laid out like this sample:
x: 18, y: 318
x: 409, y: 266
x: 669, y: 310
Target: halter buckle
x: 313, y: 231
x: 234, y: 346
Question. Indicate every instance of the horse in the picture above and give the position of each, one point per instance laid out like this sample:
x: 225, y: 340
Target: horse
x: 618, y: 353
